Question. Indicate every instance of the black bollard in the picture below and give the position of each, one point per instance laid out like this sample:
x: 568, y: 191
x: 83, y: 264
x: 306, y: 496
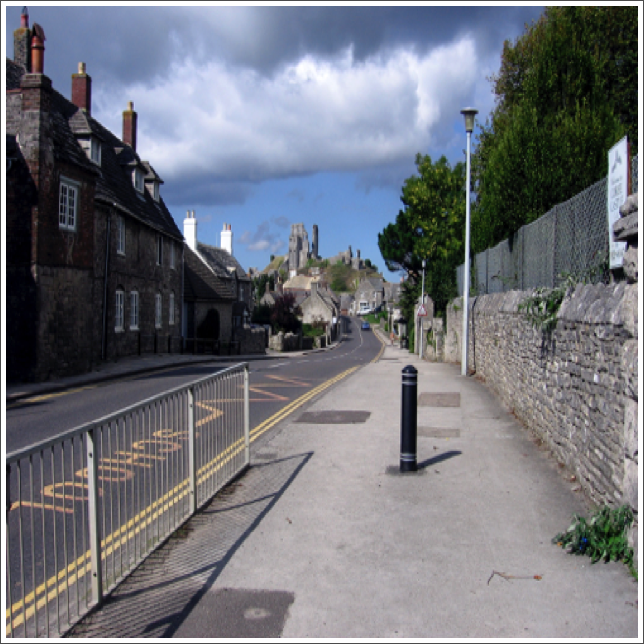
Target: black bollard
x: 408, y: 420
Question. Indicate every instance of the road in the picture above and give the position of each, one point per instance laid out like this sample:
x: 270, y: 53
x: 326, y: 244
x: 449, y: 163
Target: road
x: 45, y: 521
x: 274, y: 384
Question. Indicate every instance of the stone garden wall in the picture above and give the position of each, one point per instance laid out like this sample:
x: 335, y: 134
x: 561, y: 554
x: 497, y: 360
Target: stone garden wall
x: 576, y: 387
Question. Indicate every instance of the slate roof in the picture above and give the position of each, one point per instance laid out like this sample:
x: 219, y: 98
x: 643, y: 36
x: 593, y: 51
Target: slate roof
x: 114, y: 185
x: 200, y: 283
x: 221, y: 261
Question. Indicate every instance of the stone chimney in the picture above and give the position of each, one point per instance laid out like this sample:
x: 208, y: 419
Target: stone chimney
x: 227, y: 238
x: 129, y: 126
x: 190, y: 230
x: 22, y: 42
x: 37, y: 50
x: 82, y: 89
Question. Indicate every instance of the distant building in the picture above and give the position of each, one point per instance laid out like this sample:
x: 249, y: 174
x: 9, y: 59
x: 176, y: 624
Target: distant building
x: 230, y: 302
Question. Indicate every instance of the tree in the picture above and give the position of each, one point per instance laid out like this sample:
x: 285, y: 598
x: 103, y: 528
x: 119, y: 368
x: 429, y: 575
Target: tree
x: 284, y: 315
x: 566, y: 92
x: 431, y: 227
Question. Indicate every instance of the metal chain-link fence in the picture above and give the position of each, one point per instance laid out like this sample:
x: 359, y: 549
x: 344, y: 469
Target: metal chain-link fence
x: 571, y: 238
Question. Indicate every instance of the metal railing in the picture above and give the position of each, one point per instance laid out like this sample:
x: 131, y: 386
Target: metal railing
x: 87, y: 506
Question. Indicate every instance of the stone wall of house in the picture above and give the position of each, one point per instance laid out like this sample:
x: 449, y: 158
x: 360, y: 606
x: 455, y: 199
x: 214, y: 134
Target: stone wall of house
x: 576, y: 387
x: 136, y: 270
x: 252, y: 340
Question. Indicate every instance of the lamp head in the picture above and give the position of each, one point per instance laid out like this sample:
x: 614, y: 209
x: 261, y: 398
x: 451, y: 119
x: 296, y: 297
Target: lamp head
x: 469, y: 113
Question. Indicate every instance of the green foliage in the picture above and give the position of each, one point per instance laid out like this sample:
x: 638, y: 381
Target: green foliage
x: 340, y: 277
x: 603, y: 536
x: 542, y: 306
x: 566, y: 92
x: 259, y: 286
x: 313, y: 330
x: 432, y: 226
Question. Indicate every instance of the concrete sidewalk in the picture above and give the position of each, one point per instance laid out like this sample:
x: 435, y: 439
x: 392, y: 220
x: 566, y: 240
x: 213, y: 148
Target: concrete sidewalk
x: 322, y: 537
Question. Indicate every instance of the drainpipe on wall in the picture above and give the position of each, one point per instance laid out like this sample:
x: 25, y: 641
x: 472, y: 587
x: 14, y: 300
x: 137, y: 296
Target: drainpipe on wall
x: 107, y: 261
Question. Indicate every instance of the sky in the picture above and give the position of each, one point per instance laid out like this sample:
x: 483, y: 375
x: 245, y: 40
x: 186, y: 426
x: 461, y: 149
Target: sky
x: 265, y: 116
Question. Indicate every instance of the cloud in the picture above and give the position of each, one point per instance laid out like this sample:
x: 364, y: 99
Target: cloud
x: 262, y: 239
x: 282, y: 222
x: 211, y: 125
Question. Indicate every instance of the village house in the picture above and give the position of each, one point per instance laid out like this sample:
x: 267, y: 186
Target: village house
x: 94, y: 258
x: 218, y: 293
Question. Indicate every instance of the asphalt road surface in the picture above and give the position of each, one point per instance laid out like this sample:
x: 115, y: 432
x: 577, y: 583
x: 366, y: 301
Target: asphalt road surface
x: 274, y: 385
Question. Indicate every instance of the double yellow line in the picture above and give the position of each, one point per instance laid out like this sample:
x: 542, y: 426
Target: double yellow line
x: 67, y: 577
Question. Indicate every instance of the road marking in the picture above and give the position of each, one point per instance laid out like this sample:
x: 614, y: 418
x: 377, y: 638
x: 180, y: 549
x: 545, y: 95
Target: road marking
x: 35, y: 399
x: 135, y: 526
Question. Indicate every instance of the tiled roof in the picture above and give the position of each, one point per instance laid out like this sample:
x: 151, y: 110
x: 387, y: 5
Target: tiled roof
x: 221, y: 261
x: 200, y: 283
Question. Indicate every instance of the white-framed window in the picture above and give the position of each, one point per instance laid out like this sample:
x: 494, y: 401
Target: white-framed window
x: 118, y: 310
x: 68, y: 204
x: 159, y: 250
x: 134, y: 311
x: 138, y: 179
x: 171, y: 309
x: 158, y: 304
x: 171, y: 254
x: 120, y: 234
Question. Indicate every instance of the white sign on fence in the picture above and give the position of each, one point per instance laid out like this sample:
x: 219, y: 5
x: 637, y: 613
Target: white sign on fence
x: 617, y: 190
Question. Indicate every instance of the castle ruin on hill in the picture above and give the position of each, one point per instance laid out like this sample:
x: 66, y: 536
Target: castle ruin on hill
x: 299, y: 251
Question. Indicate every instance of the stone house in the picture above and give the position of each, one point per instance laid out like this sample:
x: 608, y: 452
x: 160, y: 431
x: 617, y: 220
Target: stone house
x: 226, y: 296
x: 94, y: 258
x: 321, y: 306
x: 369, y: 295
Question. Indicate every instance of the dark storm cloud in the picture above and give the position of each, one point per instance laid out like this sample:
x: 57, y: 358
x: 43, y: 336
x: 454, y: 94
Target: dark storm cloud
x: 136, y: 44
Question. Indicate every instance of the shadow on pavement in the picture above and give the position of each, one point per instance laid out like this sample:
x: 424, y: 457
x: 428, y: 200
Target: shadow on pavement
x: 177, y: 579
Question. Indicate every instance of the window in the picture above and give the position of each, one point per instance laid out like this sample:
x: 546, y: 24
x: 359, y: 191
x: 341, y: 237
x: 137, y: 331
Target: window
x: 157, y: 310
x: 95, y: 153
x: 134, y: 310
x: 138, y: 179
x: 159, y: 250
x: 92, y: 148
x: 171, y: 255
x: 171, y: 315
x: 67, y: 205
x: 118, y: 311
x: 120, y: 235
x: 241, y: 292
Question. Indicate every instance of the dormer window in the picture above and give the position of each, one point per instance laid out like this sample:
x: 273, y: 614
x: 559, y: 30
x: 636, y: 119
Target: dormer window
x: 153, y: 189
x: 138, y: 179
x: 92, y: 148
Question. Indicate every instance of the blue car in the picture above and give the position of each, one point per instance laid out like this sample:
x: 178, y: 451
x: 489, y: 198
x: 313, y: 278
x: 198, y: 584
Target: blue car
x: 365, y: 326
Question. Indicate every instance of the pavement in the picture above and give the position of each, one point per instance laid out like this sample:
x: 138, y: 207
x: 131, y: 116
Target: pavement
x: 324, y: 537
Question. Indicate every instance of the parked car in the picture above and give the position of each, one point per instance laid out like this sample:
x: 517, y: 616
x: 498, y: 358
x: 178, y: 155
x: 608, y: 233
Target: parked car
x: 366, y: 326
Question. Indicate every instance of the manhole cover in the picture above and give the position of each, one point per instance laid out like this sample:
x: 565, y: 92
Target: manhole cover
x: 333, y: 417
x: 439, y: 432
x: 445, y: 399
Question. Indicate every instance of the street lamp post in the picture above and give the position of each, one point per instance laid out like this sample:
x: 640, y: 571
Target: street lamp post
x: 420, y: 321
x: 469, y: 113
